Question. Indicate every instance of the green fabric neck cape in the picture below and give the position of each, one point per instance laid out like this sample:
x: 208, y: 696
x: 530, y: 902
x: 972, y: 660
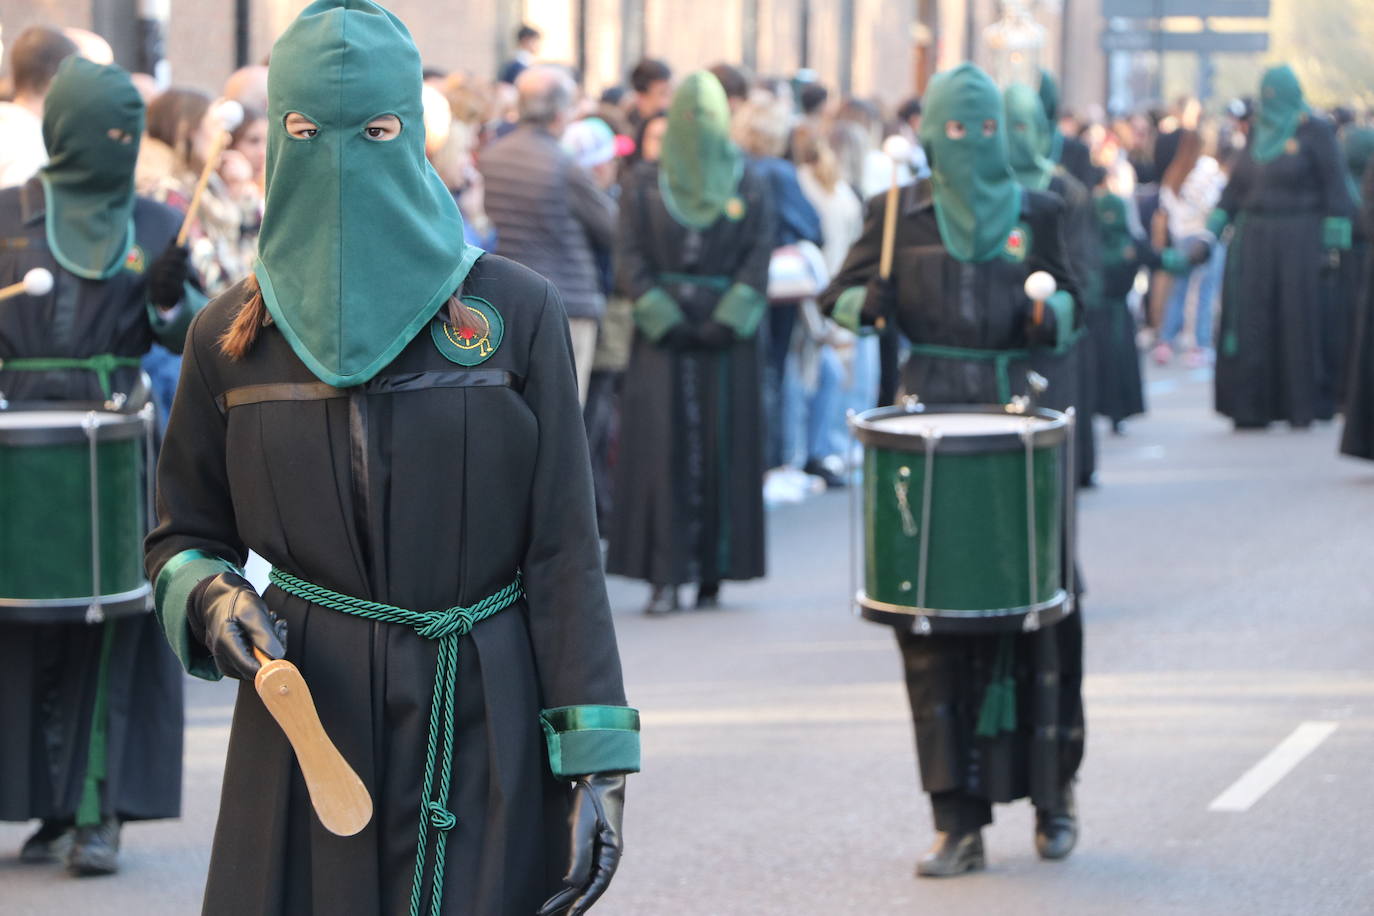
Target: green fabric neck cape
x: 92, y: 123
x: 1281, y: 109
x: 977, y: 200
x: 1049, y: 101
x: 700, y: 167
x: 1028, y: 137
x: 361, y: 242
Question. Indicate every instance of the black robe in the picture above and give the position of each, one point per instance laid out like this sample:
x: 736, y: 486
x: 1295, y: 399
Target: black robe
x: 49, y: 674
x: 1121, y: 392
x: 1083, y: 250
x: 1273, y: 357
x: 689, y: 482
x: 979, y: 305
x: 1357, y: 439
x: 425, y: 488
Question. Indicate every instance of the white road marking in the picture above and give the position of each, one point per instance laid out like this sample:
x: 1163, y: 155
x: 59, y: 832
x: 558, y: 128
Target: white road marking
x: 1275, y: 765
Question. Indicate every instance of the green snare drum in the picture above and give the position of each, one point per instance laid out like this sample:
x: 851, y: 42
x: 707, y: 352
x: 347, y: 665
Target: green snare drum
x: 966, y: 517
x: 74, y: 506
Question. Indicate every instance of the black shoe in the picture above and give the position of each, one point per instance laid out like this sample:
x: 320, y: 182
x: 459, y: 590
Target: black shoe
x: 663, y: 600
x: 953, y: 854
x: 95, y: 850
x: 816, y: 468
x: 49, y: 843
x: 708, y: 596
x: 1056, y: 832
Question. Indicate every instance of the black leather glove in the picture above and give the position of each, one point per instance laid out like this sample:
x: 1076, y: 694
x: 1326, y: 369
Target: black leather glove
x: 1044, y: 333
x: 167, y: 276
x: 595, y: 821
x: 880, y: 301
x: 230, y: 618
x: 680, y: 336
x: 713, y: 335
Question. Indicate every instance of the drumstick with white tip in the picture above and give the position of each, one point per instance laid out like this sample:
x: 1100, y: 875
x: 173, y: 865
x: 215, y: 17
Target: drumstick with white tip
x: 898, y: 149
x: 229, y: 114
x: 1039, y: 287
x: 339, y: 797
x: 37, y: 282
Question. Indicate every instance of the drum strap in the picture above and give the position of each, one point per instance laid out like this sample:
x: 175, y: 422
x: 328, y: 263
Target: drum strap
x: 448, y: 626
x: 102, y: 364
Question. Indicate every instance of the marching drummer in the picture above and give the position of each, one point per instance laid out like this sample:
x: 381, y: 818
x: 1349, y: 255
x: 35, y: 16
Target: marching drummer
x: 100, y: 705
x: 965, y: 242
x: 390, y: 417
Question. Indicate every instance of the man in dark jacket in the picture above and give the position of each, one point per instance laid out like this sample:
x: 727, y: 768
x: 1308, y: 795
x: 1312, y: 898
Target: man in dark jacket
x: 549, y: 213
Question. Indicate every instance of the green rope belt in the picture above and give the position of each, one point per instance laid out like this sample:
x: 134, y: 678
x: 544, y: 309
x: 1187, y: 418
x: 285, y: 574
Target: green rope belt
x: 448, y: 626
x: 1001, y: 360
x: 710, y: 281
x: 102, y: 364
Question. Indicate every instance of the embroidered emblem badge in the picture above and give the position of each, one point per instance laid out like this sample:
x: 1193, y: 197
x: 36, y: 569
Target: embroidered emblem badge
x: 1017, y: 244
x: 734, y: 209
x: 1291, y: 146
x: 134, y: 261
x: 471, y: 345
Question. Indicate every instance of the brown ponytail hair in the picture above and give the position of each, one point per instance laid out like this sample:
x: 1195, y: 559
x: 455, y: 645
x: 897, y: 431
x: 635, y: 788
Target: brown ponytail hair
x: 242, y: 332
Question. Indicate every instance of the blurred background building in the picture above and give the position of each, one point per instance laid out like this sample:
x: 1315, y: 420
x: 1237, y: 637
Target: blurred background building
x: 1115, y: 55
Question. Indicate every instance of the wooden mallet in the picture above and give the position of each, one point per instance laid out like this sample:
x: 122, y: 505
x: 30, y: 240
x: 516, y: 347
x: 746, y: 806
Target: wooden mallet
x: 1039, y: 287
x: 229, y: 114
x: 339, y: 798
x: 37, y: 282
x: 898, y: 149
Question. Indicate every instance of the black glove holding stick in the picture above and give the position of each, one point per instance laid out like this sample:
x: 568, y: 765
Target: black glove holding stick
x: 595, y: 844
x: 167, y: 277
x: 228, y: 615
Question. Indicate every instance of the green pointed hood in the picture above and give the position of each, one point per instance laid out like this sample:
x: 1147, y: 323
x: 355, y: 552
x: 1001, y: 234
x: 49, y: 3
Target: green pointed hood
x: 700, y: 166
x: 1028, y: 137
x: 92, y: 124
x: 1049, y: 101
x: 361, y: 241
x: 977, y: 200
x: 1279, y: 112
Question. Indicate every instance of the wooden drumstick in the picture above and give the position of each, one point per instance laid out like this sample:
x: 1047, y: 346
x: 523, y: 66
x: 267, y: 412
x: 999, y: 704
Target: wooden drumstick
x: 230, y: 115
x: 898, y: 149
x: 37, y: 282
x: 339, y: 798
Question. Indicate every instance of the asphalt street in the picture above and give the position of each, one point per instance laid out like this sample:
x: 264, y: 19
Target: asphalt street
x: 1228, y: 616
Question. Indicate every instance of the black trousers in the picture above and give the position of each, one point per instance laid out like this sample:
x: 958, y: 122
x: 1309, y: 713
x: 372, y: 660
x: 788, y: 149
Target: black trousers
x: 959, y: 812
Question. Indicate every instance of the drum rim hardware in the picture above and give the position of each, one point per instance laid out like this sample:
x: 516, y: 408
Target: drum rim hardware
x: 1050, y: 429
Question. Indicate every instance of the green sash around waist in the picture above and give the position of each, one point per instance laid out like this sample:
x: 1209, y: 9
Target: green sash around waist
x: 448, y: 626
x: 102, y: 364
x: 1001, y: 361
x: 709, y: 281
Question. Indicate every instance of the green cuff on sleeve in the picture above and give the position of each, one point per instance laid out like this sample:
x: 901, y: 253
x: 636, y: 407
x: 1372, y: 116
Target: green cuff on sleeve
x: 741, y: 308
x: 170, y: 330
x: 175, y: 583
x: 849, y: 307
x: 1061, y: 304
x: 591, y: 739
x: 1218, y: 220
x: 1336, y: 233
x: 657, y: 313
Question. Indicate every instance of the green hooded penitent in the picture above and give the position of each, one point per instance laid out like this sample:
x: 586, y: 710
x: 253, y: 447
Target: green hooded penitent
x: 1049, y: 101
x: 1280, y: 110
x: 700, y: 166
x: 361, y: 242
x: 977, y: 200
x: 92, y: 123
x: 1028, y: 137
